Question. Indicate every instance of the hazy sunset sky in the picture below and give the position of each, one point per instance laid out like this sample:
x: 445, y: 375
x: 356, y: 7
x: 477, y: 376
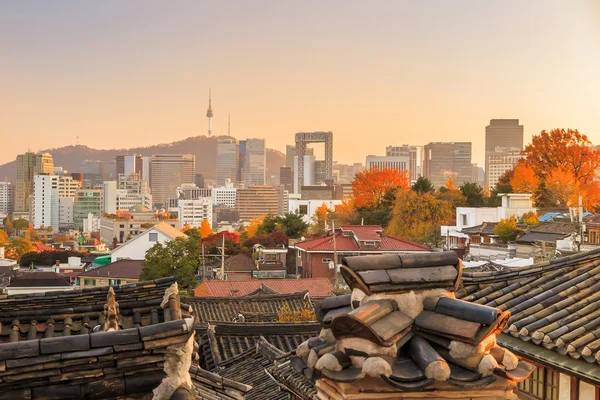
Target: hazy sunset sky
x: 126, y: 73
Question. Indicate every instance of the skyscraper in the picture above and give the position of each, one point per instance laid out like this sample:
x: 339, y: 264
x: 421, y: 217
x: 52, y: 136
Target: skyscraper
x: 443, y: 160
x: 7, y: 198
x: 255, y: 162
x: 130, y: 164
x: 46, y: 211
x: 29, y: 165
x: 256, y: 201
x: 502, y: 133
x: 170, y: 171
x: 93, y: 173
x: 227, y: 161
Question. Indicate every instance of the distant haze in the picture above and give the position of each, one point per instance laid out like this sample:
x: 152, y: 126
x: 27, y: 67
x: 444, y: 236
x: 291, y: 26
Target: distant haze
x: 120, y: 74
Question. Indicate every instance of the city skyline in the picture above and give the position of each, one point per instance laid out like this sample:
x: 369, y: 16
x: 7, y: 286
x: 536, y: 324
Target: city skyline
x: 103, y: 85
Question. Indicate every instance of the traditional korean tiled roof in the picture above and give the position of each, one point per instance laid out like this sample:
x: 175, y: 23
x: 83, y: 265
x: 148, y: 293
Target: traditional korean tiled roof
x: 487, y: 228
x: 251, y: 367
x: 293, y: 375
x: 77, y: 312
x: 316, y: 287
x: 254, y: 308
x: 532, y: 237
x: 211, y: 386
x: 120, y: 269
x: 39, y: 279
x: 107, y: 364
x: 225, y: 340
x: 402, y: 330
x: 554, y: 305
x: 348, y: 243
x: 565, y: 228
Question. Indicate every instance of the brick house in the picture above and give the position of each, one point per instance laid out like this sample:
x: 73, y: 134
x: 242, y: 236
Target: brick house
x: 315, y: 256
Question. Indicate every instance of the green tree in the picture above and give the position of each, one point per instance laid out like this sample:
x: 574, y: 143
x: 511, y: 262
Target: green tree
x: 20, y: 225
x: 423, y: 185
x: 473, y: 194
x: 417, y: 217
x: 180, y: 258
x: 506, y: 230
x: 293, y: 225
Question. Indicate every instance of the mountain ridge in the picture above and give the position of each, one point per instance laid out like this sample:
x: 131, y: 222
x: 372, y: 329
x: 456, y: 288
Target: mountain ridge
x: 203, y: 147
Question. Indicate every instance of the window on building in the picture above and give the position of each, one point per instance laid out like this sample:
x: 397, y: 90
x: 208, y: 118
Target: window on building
x: 541, y: 384
x: 89, y: 282
x: 465, y: 220
x: 326, y: 260
x: 153, y: 237
x: 303, y: 209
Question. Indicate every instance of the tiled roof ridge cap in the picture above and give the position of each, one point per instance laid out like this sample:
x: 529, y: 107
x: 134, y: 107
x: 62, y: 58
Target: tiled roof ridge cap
x: 258, y: 296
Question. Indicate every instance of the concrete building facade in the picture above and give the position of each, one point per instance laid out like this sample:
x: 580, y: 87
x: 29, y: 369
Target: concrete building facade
x: 46, y: 212
x: 7, y: 198
x: 256, y: 201
x: 28, y: 165
x: 255, y: 162
x: 501, y: 133
x: 227, y: 161
x: 193, y: 212
x: 170, y: 171
x: 501, y: 160
x: 443, y: 160
x: 225, y: 195
x: 87, y: 201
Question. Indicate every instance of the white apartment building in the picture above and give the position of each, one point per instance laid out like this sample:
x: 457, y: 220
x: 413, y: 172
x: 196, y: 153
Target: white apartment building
x: 65, y: 214
x: 46, y: 212
x: 67, y: 186
x: 193, y: 212
x: 308, y: 208
x: 225, y: 195
x: 126, y: 193
x: 401, y: 163
x: 7, y: 198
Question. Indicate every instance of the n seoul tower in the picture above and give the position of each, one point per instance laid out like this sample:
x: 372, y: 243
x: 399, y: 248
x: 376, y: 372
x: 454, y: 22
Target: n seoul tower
x: 209, y: 112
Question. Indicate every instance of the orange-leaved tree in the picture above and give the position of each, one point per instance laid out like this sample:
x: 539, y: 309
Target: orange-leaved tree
x: 205, y: 229
x: 285, y: 314
x: 524, y: 179
x: 506, y: 229
x: 252, y: 228
x: 370, y: 186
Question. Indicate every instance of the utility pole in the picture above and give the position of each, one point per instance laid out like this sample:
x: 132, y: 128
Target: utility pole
x: 223, y: 258
x: 335, y: 262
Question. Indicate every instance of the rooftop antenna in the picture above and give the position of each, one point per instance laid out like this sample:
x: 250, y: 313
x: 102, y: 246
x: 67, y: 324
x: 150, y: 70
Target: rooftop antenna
x: 209, y: 112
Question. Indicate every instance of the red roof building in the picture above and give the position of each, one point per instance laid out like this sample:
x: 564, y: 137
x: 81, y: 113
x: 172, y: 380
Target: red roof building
x: 315, y: 256
x: 316, y: 287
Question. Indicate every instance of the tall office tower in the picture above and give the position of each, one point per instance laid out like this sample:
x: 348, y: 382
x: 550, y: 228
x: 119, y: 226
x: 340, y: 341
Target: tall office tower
x: 241, y: 161
x: 29, y: 165
x: 308, y: 176
x: 7, y: 198
x: 130, y: 164
x: 146, y: 168
x: 87, y: 201
x: 290, y: 153
x: 93, y: 173
x: 499, y: 161
x: 170, y: 171
x: 412, y: 153
x: 46, y: 212
x: 255, y: 162
x: 199, y: 180
x: 501, y: 133
x: 256, y: 201
x: 304, y: 138
x: 227, y: 161
x: 443, y: 160
x: 286, y: 178
x: 321, y: 172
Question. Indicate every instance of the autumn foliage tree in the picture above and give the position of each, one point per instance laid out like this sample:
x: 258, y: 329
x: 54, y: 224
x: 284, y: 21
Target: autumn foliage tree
x: 371, y: 185
x: 417, y: 217
x: 285, y: 314
x: 506, y: 230
x: 524, y: 179
x: 320, y: 220
x: 205, y: 229
x: 253, y: 226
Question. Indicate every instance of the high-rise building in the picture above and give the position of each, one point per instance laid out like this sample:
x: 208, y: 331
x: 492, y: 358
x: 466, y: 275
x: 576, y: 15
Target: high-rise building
x: 286, y: 178
x: 412, y: 153
x: 130, y: 164
x: 170, y: 171
x: 7, y: 198
x: 255, y: 162
x: 227, y: 161
x: 65, y: 212
x: 126, y: 193
x: 501, y: 133
x: 46, y: 212
x: 29, y: 165
x: 87, y: 201
x: 400, y: 163
x: 256, y: 201
x: 199, y: 180
x: 67, y: 186
x: 499, y: 161
x: 304, y: 138
x: 443, y: 160
x: 93, y: 173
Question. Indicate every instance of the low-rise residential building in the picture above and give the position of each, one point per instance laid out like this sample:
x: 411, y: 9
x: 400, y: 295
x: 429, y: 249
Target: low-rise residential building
x: 116, y: 273
x: 36, y: 282
x: 136, y: 248
x: 315, y: 257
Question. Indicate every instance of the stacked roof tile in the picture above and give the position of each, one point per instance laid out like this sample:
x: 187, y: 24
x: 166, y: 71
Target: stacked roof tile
x: 554, y: 305
x: 402, y: 330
